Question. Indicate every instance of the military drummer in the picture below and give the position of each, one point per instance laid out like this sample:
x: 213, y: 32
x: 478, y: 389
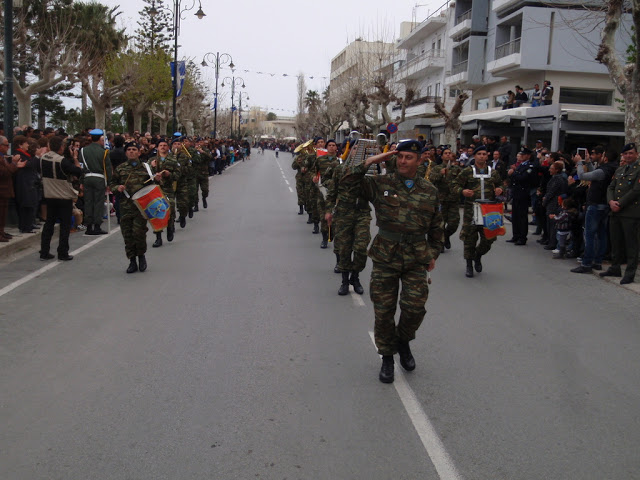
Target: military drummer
x: 409, y: 240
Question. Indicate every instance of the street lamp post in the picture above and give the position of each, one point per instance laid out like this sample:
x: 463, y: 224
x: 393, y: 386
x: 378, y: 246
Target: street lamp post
x: 240, y: 110
x: 177, y: 12
x: 220, y: 59
x: 233, y: 81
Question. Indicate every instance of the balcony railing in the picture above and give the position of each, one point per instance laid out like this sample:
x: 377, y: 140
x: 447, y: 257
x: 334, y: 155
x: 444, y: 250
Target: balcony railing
x: 425, y: 56
x: 460, y: 67
x: 465, y: 16
x: 508, y: 48
x: 419, y: 101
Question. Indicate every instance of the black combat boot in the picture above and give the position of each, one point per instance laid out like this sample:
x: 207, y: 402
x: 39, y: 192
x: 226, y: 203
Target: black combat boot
x: 406, y: 358
x: 478, y: 263
x: 190, y: 212
x: 316, y: 227
x: 355, y: 281
x: 98, y: 231
x: 447, y: 242
x: 612, y: 272
x: 386, y: 371
x: 301, y: 212
x: 336, y: 269
x: 183, y: 221
x: 325, y: 239
x: 204, y: 202
x: 89, y: 230
x: 142, y: 262
x: 469, y: 268
x: 196, y: 209
x: 170, y: 232
x: 133, y: 266
x: 628, y: 278
x: 158, y: 242
x: 309, y: 220
x: 344, y: 288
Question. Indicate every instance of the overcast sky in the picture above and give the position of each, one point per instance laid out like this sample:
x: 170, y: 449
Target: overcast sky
x: 280, y: 36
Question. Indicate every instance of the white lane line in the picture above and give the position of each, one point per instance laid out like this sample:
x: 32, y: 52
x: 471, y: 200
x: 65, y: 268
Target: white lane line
x: 291, y: 189
x: 286, y: 181
x: 357, y: 299
x: 432, y: 443
x: 32, y: 275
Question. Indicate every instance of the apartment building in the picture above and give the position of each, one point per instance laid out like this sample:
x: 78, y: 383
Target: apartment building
x: 495, y: 45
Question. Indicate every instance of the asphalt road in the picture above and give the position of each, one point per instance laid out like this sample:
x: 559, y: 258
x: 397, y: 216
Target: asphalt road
x: 233, y: 357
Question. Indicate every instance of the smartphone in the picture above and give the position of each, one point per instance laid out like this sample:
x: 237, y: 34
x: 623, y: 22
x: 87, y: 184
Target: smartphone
x: 583, y: 153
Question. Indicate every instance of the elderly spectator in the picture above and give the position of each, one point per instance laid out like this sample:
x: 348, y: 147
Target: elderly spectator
x: 27, y: 182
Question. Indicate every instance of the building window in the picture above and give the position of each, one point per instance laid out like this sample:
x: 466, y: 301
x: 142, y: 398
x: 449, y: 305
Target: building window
x: 482, y: 104
x: 439, y: 43
x: 500, y: 100
x: 437, y: 92
x: 429, y: 91
x: 586, y: 96
x: 454, y: 92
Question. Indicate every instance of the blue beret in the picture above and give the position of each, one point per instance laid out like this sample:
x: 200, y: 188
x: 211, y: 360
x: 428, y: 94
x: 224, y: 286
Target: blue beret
x: 629, y: 146
x: 409, y: 146
x: 481, y: 148
x: 96, y: 131
x: 177, y: 134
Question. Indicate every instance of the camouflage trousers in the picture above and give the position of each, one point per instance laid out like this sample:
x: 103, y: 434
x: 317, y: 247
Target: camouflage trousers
x: 352, y: 237
x: 472, y: 248
x: 311, y: 201
x: 182, y: 198
x: 202, y: 181
x: 192, y: 188
x: 384, y: 289
x: 451, y: 216
x: 172, y: 216
x: 133, y: 227
x: 300, y: 188
x: 320, y: 206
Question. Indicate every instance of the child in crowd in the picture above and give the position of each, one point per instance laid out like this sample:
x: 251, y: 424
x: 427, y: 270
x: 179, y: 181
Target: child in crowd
x: 564, y: 220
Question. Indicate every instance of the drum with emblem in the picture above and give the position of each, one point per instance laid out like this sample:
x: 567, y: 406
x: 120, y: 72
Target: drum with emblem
x: 154, y: 206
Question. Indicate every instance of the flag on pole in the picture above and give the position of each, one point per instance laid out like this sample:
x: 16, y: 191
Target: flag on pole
x: 182, y: 74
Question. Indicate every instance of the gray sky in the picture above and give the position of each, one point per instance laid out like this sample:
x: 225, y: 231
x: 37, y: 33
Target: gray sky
x: 280, y: 36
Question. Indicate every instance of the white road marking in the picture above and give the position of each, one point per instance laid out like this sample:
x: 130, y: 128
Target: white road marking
x: 286, y: 181
x: 357, y: 299
x: 291, y: 189
x: 432, y: 443
x: 53, y: 264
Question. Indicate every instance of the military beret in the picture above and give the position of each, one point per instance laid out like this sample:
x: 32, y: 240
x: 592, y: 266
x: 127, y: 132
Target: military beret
x: 629, y: 146
x: 524, y: 151
x: 177, y: 134
x: 538, y: 141
x: 425, y: 150
x: 131, y: 144
x: 96, y: 131
x: 409, y: 146
x: 481, y: 148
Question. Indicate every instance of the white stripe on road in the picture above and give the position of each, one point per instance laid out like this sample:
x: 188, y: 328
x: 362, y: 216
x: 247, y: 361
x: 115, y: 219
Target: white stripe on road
x: 286, y: 181
x: 357, y: 299
x: 432, y: 443
x: 46, y: 268
x: 291, y: 189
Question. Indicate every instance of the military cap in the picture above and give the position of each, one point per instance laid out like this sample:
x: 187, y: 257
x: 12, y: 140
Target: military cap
x: 409, y: 146
x: 524, y: 151
x: 481, y: 148
x: 538, y: 141
x: 96, y: 131
x: 177, y: 134
x: 629, y: 146
x: 425, y: 150
x: 131, y: 144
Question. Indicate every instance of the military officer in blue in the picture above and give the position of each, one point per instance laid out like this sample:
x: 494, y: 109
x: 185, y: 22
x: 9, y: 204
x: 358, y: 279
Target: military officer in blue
x: 97, y: 175
x: 523, y: 176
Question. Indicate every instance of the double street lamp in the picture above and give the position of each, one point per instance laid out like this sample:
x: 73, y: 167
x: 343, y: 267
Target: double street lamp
x: 246, y: 96
x: 233, y: 81
x: 220, y: 59
x: 176, y: 13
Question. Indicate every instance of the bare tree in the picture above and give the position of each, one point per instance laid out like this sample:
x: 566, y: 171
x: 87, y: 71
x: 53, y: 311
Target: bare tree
x: 625, y: 75
x: 451, y: 118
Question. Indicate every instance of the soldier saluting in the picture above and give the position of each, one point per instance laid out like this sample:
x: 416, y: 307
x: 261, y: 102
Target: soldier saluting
x: 409, y: 240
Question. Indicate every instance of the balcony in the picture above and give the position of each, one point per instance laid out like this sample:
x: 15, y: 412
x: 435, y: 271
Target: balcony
x: 462, y: 26
x: 507, y: 57
x: 422, y: 31
x: 459, y: 73
x: 425, y: 63
x: 418, y: 101
x: 501, y: 7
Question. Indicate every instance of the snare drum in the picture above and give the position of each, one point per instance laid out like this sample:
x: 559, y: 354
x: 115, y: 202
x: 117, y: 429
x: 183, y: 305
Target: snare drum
x: 490, y: 215
x: 154, y: 206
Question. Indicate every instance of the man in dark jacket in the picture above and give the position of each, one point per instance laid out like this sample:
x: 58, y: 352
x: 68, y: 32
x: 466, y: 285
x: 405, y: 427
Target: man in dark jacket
x: 523, y: 176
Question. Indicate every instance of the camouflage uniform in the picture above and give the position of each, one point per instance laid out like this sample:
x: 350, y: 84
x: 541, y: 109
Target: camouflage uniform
x: 297, y: 165
x: 352, y: 219
x: 311, y: 191
x: 400, y: 252
x: 470, y: 232
x: 322, y: 165
x: 133, y: 225
x: 182, y: 187
x: 449, y: 201
x: 168, y: 183
x: 192, y: 176
x: 201, y: 167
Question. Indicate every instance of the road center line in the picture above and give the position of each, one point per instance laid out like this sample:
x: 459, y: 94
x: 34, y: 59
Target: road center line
x: 46, y: 268
x: 357, y: 299
x: 432, y: 444
x: 291, y: 189
x: 286, y: 181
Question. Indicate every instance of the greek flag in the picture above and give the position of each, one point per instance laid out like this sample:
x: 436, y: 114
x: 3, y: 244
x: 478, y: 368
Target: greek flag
x: 182, y: 74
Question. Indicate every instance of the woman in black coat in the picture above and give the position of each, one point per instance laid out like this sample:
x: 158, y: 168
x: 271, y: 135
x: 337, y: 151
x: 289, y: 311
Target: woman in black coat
x: 26, y: 185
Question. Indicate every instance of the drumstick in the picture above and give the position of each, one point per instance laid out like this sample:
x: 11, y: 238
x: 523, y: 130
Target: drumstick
x: 428, y: 277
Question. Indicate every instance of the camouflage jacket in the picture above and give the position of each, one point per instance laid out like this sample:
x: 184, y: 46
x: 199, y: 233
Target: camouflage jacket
x: 168, y: 163
x: 404, y: 215
x: 466, y: 181
x: 443, y: 182
x: 134, y: 176
x: 344, y: 194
